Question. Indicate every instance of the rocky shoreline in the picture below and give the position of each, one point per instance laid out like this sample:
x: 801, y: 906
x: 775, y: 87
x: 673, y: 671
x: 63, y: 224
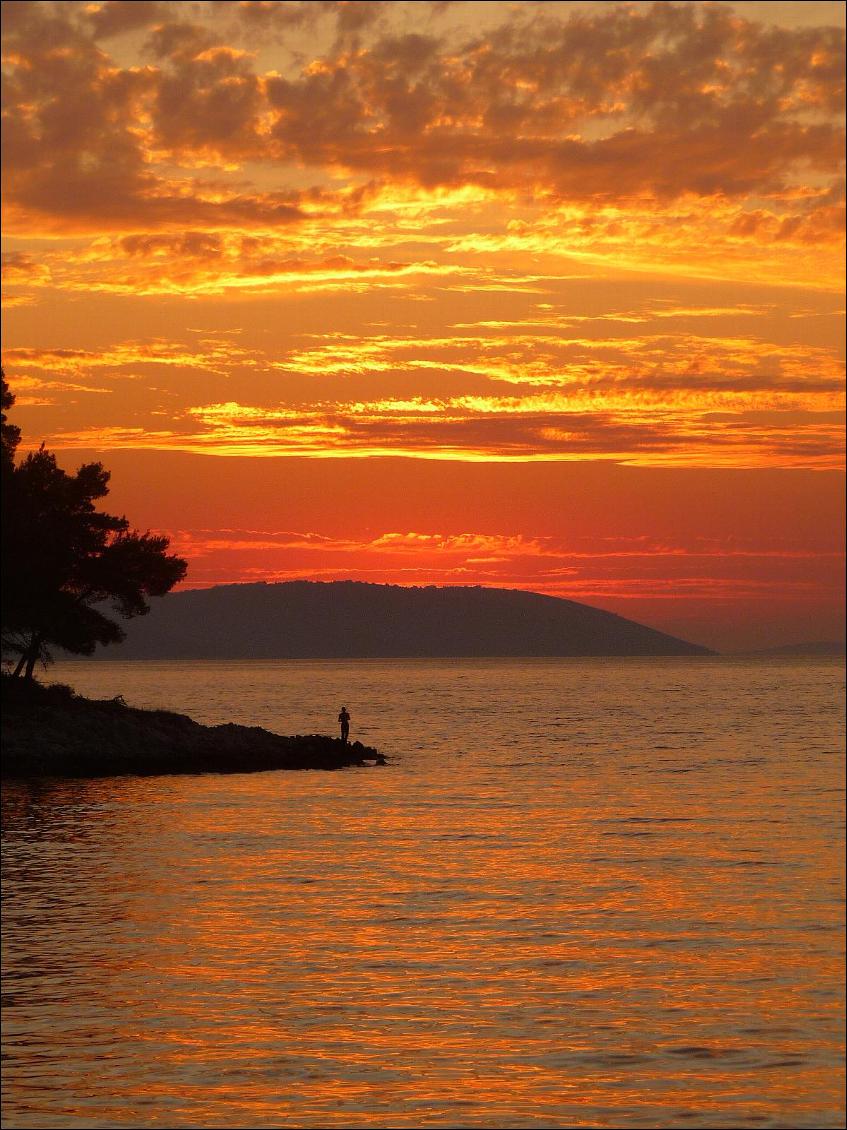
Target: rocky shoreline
x: 49, y: 731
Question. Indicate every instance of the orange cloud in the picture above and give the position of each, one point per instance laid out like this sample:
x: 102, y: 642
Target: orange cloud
x: 609, y: 107
x: 511, y: 238
x: 654, y: 399
x: 657, y: 438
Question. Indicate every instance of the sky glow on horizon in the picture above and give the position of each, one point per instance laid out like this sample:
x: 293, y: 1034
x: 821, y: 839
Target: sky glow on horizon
x: 535, y: 295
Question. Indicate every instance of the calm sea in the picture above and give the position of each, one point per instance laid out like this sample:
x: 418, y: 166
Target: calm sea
x: 585, y: 893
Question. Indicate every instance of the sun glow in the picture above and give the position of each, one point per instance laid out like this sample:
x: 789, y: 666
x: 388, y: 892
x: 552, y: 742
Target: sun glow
x: 277, y: 234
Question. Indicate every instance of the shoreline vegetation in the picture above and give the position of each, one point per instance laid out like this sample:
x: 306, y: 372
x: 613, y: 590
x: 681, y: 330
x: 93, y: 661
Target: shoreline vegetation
x: 50, y: 731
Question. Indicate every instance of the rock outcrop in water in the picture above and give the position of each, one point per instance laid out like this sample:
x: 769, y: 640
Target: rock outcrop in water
x: 353, y: 620
x: 49, y: 731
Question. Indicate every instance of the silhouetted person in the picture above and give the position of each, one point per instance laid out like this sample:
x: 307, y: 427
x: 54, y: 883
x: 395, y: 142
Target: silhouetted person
x: 344, y: 719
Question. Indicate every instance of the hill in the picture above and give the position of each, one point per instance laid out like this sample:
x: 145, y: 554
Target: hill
x: 348, y: 619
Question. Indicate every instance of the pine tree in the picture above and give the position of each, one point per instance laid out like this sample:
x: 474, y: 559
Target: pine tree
x: 65, y: 564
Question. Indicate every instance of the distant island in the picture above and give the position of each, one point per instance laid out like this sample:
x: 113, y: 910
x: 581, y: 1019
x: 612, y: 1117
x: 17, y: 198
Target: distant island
x: 815, y: 647
x: 49, y: 731
x: 354, y: 620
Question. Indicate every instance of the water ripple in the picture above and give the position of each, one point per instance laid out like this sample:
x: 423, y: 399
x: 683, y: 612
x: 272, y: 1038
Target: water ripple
x: 586, y: 894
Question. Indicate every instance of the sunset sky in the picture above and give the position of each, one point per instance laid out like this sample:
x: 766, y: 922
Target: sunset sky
x: 533, y: 295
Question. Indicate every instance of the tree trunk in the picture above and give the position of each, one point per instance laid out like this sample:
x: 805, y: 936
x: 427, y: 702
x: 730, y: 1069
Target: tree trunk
x: 20, y: 666
x: 31, y: 656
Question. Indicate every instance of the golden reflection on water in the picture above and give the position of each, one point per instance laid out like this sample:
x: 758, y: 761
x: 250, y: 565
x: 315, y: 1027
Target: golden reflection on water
x: 530, y: 935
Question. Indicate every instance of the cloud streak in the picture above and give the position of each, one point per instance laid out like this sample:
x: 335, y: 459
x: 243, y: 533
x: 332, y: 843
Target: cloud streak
x: 514, y: 238
x: 611, y: 106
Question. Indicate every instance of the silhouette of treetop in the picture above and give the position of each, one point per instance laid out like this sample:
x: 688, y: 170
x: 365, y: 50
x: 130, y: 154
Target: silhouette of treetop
x: 65, y: 563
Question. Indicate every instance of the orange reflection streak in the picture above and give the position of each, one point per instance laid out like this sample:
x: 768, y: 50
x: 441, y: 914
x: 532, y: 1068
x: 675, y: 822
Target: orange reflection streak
x: 594, y: 956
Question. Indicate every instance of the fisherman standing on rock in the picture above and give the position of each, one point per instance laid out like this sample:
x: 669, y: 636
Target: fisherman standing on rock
x: 344, y: 719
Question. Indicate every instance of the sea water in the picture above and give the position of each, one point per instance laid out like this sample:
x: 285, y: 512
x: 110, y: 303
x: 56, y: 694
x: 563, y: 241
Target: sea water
x: 583, y: 893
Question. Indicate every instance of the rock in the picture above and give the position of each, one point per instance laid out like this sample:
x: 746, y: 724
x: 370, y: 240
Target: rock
x: 51, y: 731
